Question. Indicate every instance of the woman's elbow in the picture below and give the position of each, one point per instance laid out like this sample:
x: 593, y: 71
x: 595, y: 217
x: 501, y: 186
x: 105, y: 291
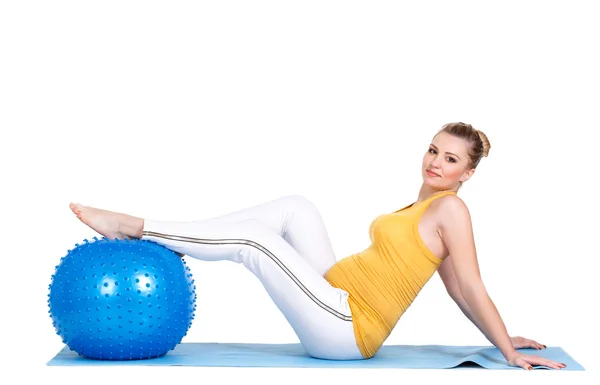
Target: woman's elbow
x: 472, y: 287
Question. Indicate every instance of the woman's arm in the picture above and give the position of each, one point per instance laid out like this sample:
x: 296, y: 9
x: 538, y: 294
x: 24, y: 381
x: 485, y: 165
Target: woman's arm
x: 446, y: 273
x: 457, y: 234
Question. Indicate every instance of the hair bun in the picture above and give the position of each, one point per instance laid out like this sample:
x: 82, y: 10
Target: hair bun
x: 485, y: 141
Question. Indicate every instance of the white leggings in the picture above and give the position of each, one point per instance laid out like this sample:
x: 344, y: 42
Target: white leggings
x: 284, y: 243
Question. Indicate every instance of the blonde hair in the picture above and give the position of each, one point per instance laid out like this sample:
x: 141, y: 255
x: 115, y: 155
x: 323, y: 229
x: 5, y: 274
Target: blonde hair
x: 479, y: 144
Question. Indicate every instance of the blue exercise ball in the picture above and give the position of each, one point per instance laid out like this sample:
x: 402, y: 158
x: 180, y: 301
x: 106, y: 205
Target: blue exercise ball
x: 121, y: 299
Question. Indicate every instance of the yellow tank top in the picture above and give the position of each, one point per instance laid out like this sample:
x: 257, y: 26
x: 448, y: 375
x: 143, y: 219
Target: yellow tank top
x: 383, y: 280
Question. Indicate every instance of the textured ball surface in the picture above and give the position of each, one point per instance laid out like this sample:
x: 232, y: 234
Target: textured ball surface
x: 121, y: 299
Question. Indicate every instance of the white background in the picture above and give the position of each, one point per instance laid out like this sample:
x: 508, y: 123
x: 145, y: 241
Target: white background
x: 185, y: 110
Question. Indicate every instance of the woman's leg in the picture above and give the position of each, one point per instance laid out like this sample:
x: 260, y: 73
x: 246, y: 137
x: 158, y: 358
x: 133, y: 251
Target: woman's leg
x: 318, y: 312
x: 298, y: 221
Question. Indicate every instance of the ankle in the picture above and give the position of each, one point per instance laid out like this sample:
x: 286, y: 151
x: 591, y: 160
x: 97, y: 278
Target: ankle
x: 132, y: 228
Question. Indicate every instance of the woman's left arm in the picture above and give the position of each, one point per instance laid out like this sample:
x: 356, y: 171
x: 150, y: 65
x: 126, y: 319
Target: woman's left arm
x: 448, y: 277
x: 446, y: 273
x: 457, y: 234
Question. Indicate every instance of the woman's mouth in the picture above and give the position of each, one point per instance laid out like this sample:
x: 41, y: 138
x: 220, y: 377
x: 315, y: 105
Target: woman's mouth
x: 430, y: 173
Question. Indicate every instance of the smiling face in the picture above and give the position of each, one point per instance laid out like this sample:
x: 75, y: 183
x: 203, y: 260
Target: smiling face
x: 447, y: 156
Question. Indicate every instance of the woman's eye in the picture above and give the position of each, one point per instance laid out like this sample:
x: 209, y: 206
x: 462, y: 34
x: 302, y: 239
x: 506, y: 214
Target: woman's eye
x: 451, y: 159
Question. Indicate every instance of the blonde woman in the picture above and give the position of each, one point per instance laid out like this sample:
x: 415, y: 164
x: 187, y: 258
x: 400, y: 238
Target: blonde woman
x: 345, y: 309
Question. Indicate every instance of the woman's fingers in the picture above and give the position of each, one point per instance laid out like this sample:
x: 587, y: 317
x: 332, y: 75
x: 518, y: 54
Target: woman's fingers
x: 535, y: 360
x: 527, y: 361
x: 521, y: 342
x: 534, y: 344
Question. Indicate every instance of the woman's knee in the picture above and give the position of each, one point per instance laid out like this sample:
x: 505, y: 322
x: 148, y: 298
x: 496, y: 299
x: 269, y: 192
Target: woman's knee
x: 297, y: 200
x: 301, y: 205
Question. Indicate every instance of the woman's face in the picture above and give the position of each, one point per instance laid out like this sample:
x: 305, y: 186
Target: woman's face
x: 447, y: 157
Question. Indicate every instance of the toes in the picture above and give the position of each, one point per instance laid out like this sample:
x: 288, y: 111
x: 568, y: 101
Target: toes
x: 76, y: 208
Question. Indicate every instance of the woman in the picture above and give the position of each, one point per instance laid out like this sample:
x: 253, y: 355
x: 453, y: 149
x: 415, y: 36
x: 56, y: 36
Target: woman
x: 346, y: 309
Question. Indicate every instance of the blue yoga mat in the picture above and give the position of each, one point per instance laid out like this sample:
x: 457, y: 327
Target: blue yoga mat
x: 294, y: 355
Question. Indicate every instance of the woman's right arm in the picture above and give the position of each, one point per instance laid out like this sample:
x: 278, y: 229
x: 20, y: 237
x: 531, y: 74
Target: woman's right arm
x: 457, y: 234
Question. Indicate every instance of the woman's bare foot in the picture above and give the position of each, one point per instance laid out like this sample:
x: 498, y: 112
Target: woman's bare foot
x: 110, y: 224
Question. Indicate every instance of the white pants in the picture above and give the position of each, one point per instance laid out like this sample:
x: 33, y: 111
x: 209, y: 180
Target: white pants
x: 284, y: 243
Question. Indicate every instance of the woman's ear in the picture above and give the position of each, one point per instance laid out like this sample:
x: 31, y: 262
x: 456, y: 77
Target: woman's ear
x: 467, y: 175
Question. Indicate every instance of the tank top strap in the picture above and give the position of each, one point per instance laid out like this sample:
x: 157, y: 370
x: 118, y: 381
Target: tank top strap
x: 426, y: 202
x: 440, y: 194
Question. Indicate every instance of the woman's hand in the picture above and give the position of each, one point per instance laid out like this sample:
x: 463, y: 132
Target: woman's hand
x: 526, y: 361
x: 520, y: 343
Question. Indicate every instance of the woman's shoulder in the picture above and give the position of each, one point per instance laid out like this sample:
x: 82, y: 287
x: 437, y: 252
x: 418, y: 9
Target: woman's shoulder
x: 450, y: 209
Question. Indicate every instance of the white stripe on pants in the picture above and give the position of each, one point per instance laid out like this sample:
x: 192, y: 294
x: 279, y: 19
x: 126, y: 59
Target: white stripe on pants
x: 284, y: 243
